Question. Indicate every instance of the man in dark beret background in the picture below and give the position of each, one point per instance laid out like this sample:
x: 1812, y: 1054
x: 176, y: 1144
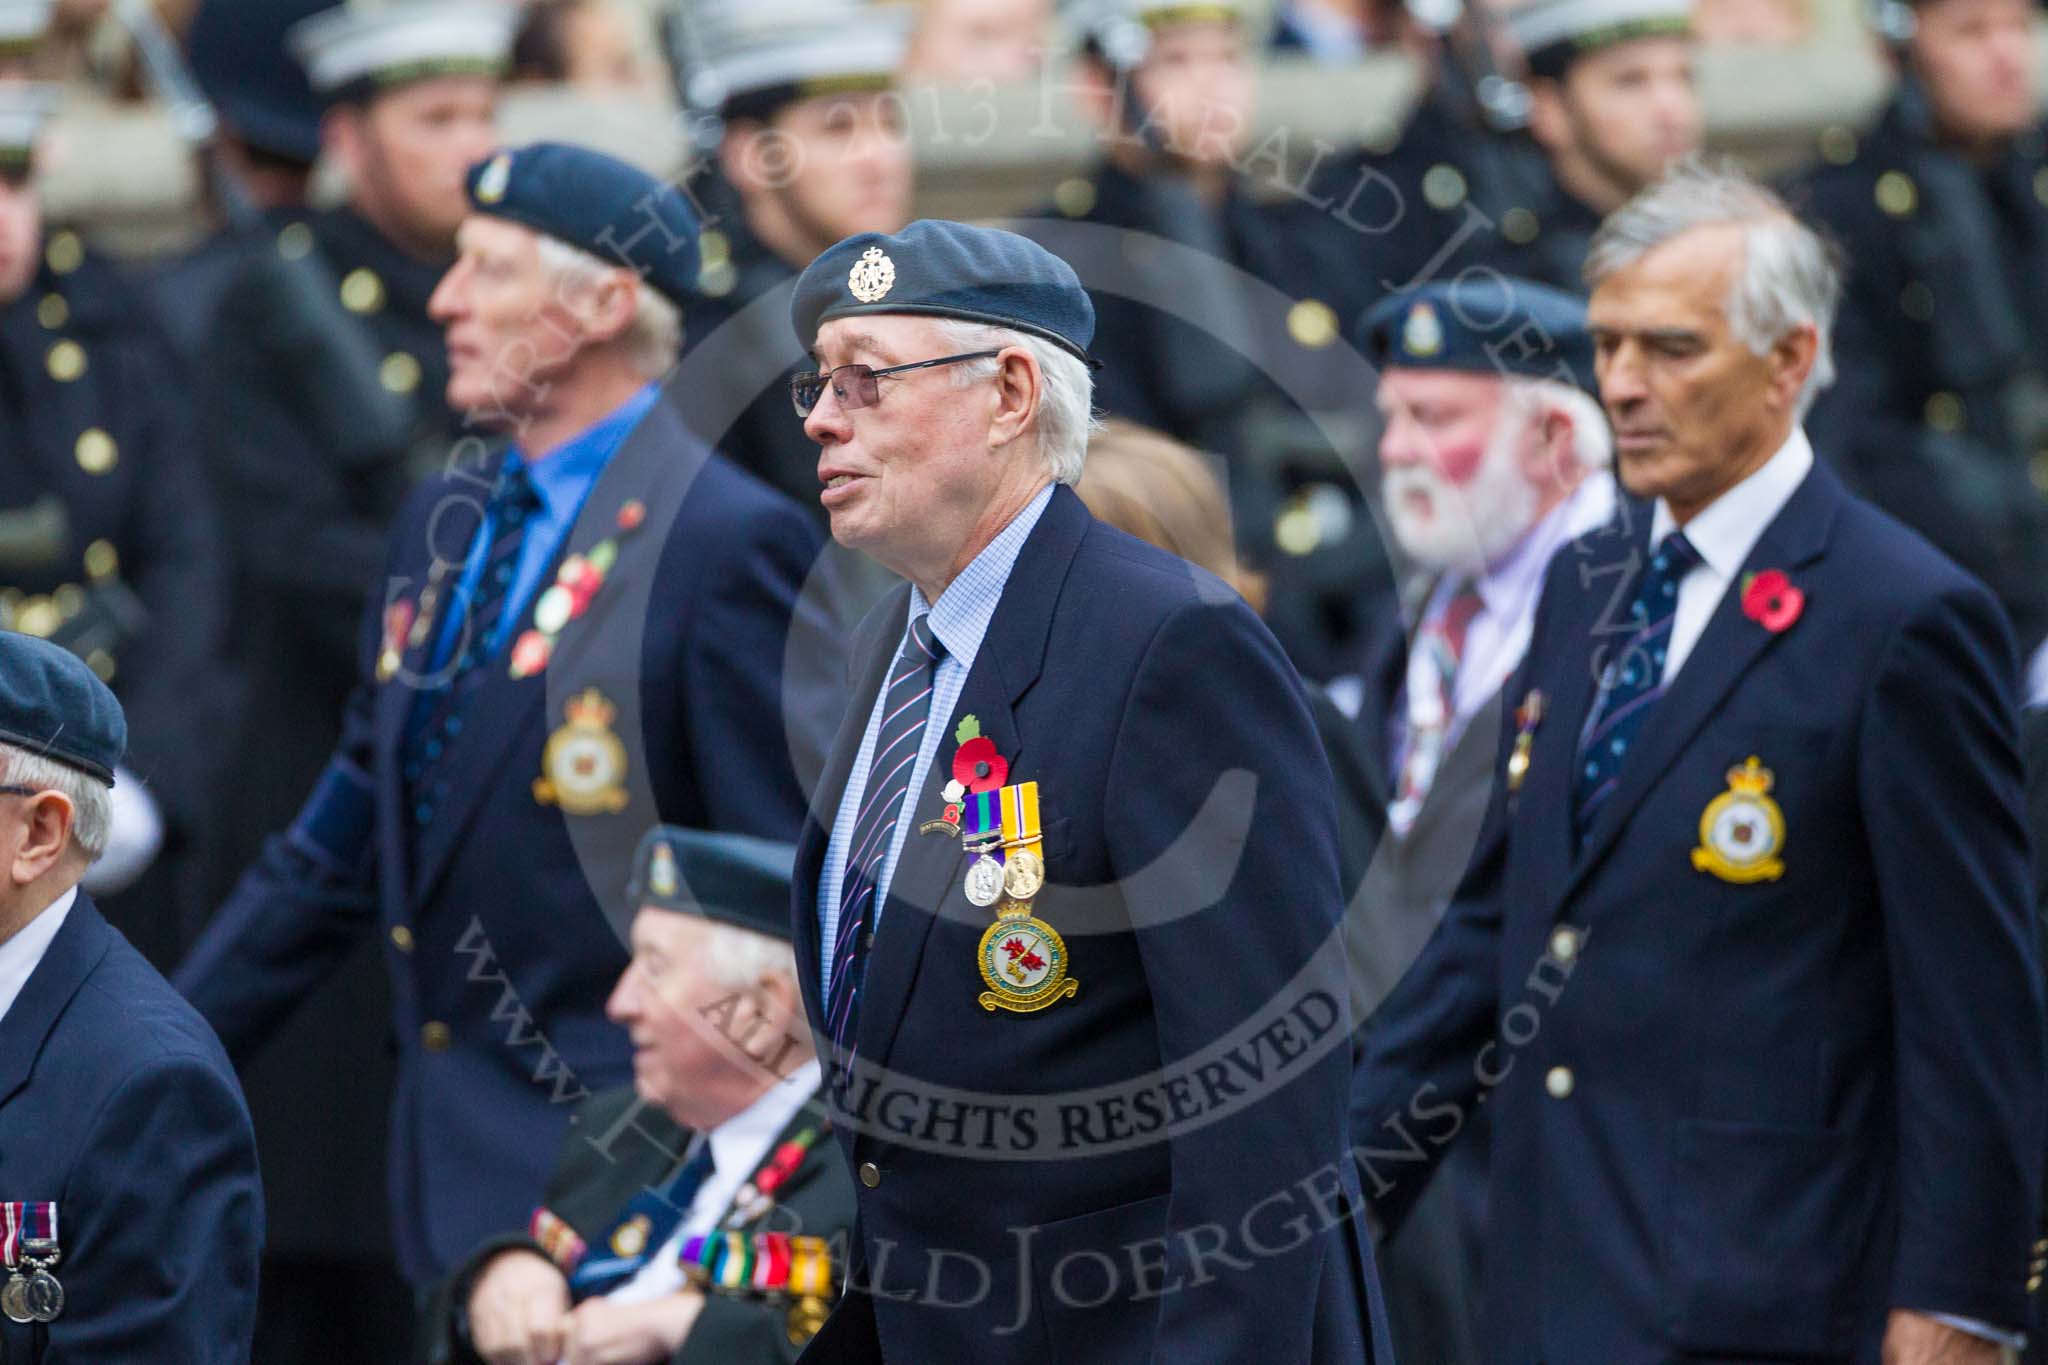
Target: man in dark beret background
x: 1073, y: 843
x: 1492, y: 460
x: 129, y: 1196
x: 572, y: 637
x: 732, y: 1263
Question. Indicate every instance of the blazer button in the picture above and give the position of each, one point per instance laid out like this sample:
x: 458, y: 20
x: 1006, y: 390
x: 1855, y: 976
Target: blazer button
x: 1564, y: 943
x: 435, y: 1036
x: 401, y: 938
x: 1559, y: 1082
x: 870, y: 1174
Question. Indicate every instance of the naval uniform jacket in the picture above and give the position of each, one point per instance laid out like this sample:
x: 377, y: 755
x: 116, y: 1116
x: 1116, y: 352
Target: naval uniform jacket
x: 1745, y: 1120
x: 1191, y: 867
x: 118, y: 1105
x: 493, y: 917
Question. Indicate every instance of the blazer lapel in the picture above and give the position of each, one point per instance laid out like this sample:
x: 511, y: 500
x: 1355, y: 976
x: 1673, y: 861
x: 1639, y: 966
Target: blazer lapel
x: 874, y: 645
x: 1606, y: 565
x: 928, y: 872
x: 70, y: 958
x: 1729, y: 647
x: 655, y: 465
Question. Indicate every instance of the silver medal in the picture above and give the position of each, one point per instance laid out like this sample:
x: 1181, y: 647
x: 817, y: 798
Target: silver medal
x: 14, y: 1299
x: 985, y: 881
x: 43, y: 1297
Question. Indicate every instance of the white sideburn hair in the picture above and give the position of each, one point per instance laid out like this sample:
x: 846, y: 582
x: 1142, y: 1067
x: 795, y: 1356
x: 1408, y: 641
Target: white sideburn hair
x: 1066, y: 418
x: 1789, y: 276
x: 92, y: 806
x: 655, y: 336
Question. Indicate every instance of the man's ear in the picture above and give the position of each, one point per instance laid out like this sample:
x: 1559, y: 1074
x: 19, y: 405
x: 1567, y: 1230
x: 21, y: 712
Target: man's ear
x: 1549, y: 124
x: 1791, y: 360
x: 609, y: 307
x: 342, y: 139
x: 1020, y: 388
x: 48, y: 816
x: 1094, y: 89
x: 740, y: 155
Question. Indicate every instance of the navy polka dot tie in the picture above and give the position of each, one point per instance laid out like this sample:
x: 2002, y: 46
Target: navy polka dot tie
x: 438, y: 715
x: 1631, y: 683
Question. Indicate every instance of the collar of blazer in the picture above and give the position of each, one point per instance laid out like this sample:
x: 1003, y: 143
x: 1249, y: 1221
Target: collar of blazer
x: 1011, y: 659
x: 1729, y: 648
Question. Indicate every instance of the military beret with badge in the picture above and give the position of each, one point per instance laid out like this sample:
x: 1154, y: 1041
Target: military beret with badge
x: 937, y: 268
x: 55, y: 706
x: 735, y: 879
x: 597, y: 204
x: 1493, y: 324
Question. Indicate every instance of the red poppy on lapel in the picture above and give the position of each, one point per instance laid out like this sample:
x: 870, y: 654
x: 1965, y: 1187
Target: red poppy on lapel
x: 1770, y: 600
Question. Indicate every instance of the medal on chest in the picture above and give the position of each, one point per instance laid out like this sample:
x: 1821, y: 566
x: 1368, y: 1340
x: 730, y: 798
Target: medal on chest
x: 28, y: 1247
x: 1022, y: 959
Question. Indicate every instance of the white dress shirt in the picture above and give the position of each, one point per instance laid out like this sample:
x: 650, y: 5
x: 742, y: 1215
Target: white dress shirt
x: 1724, y: 532
x: 20, y: 955
x: 738, y: 1148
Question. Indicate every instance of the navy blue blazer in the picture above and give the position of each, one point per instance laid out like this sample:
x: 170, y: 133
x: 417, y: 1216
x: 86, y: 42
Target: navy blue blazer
x: 117, y: 1103
x: 500, y: 918
x: 1745, y: 1120
x: 1006, y: 1159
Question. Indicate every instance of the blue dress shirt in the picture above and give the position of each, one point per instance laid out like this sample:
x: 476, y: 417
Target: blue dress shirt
x: 960, y: 619
x: 562, y: 479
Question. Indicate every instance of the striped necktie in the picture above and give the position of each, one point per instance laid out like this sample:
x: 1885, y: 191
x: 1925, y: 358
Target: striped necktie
x: 906, y: 705
x: 1632, y: 683
x: 1432, y: 704
x: 437, y: 718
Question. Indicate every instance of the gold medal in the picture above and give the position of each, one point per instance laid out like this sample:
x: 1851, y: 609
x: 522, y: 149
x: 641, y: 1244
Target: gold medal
x: 631, y: 1238
x: 985, y: 881
x: 1024, y: 961
x: 1023, y: 875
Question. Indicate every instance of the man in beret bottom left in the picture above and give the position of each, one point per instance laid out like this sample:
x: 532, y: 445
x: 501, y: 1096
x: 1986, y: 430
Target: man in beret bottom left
x: 131, y: 1209
x: 574, y: 637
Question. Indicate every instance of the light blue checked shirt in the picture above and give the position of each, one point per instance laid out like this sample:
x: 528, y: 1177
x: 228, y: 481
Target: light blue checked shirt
x: 959, y: 619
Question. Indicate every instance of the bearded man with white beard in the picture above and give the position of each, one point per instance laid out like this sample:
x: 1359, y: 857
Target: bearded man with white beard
x: 1493, y: 457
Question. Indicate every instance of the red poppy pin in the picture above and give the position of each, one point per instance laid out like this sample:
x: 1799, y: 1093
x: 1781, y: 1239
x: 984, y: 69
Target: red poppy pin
x: 1770, y: 600
x: 976, y: 764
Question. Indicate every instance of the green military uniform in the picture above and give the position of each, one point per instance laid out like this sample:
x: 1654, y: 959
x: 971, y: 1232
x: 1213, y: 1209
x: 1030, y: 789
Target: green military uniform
x: 620, y: 1146
x: 1940, y: 410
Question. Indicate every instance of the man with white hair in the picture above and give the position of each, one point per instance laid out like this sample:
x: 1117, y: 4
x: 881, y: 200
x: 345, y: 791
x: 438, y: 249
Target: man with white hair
x: 131, y: 1212
x: 1748, y: 981
x: 696, y: 1213
x: 1493, y: 457
x: 573, y: 635
x: 1072, y: 847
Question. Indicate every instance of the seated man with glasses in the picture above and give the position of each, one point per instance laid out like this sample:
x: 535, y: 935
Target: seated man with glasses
x: 131, y: 1212
x: 1073, y: 844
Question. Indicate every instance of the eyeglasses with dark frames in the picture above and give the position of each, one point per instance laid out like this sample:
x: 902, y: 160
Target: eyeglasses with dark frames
x: 856, y: 386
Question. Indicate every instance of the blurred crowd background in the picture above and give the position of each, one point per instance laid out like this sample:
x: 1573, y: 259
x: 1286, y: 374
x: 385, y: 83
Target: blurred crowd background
x: 219, y: 376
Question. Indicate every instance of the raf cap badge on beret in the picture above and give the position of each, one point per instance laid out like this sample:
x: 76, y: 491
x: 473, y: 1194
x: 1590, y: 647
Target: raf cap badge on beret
x: 1423, y: 335
x: 872, y: 276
